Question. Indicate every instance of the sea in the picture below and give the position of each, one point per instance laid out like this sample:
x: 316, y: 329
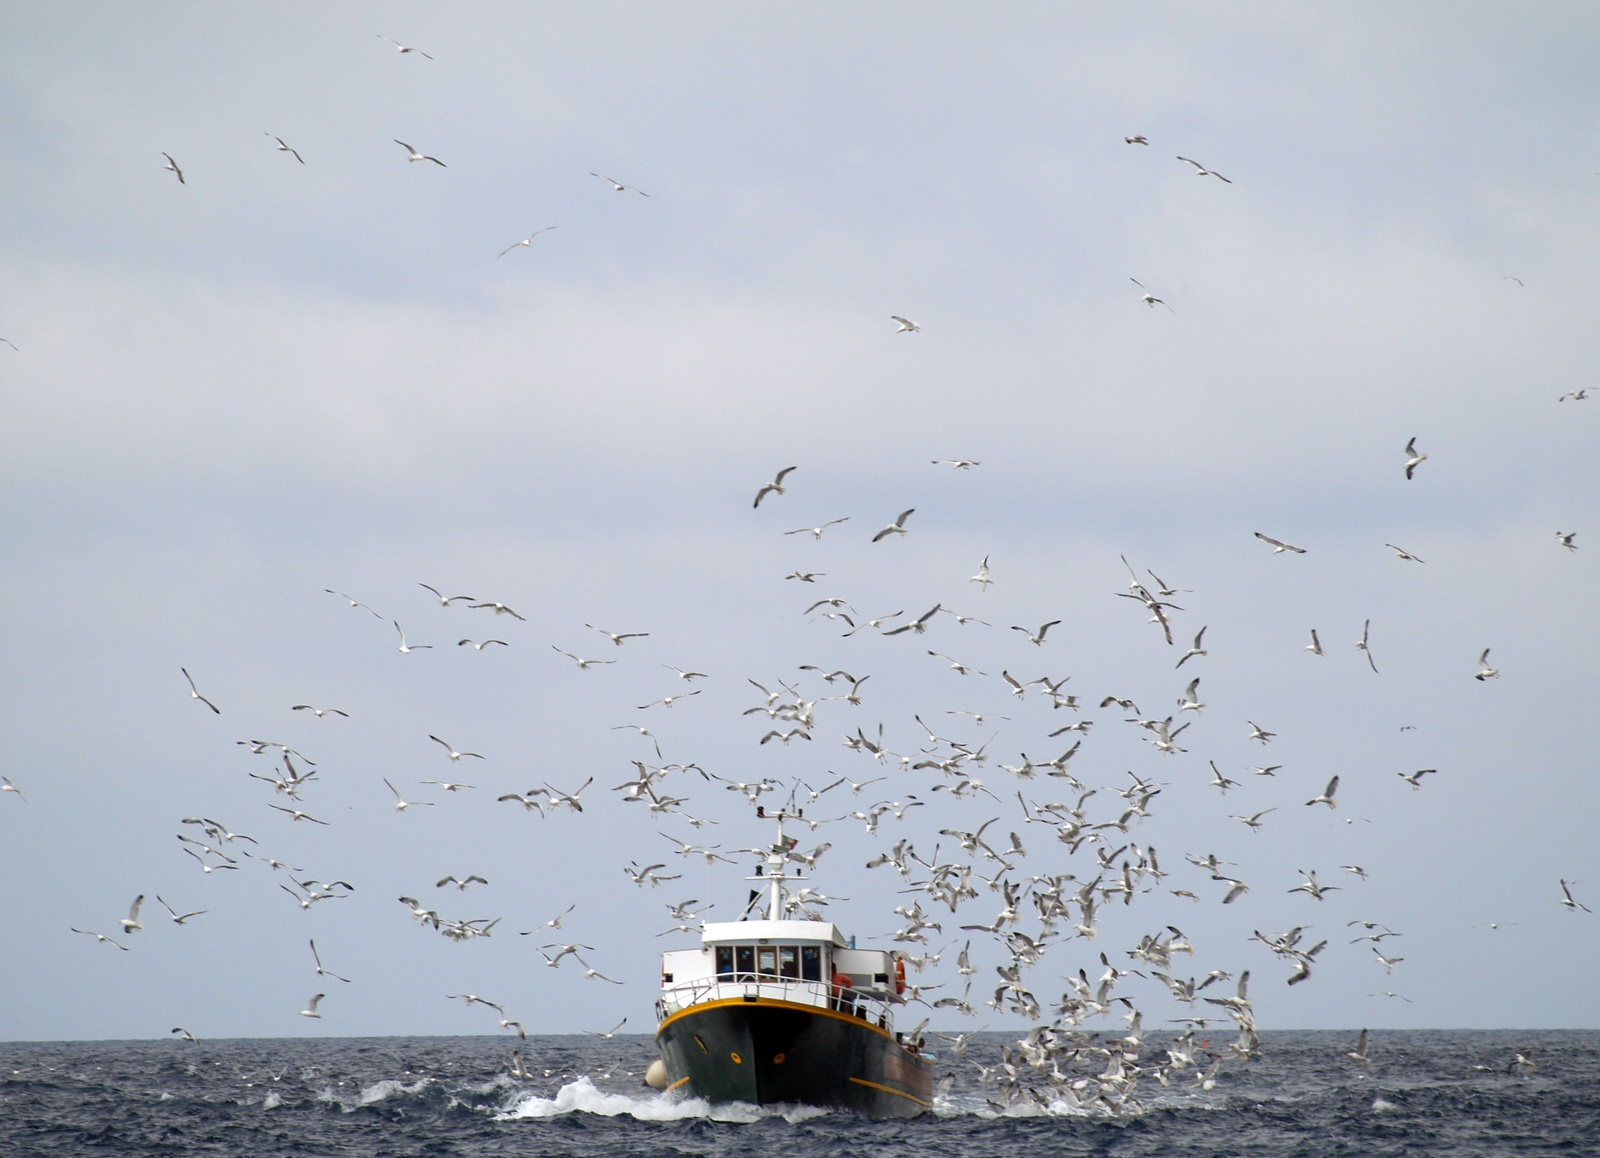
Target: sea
x: 1425, y: 1092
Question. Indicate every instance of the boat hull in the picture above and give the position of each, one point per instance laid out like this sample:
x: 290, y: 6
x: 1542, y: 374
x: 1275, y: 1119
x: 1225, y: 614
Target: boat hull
x: 769, y: 1052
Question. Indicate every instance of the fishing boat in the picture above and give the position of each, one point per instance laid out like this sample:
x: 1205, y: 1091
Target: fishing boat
x: 782, y: 1008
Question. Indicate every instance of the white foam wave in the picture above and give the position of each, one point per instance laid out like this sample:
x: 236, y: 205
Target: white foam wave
x: 1379, y: 1105
x: 271, y: 1101
x: 584, y: 1097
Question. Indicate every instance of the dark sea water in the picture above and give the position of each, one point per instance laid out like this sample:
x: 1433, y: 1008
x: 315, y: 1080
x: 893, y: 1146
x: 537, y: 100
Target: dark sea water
x: 1426, y: 1092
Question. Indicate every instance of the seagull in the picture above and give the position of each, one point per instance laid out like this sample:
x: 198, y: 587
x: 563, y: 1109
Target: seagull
x: 1149, y: 299
x: 319, y: 712
x: 1189, y: 701
x: 173, y: 165
x: 454, y: 755
x: 1484, y: 670
x: 401, y: 803
x: 101, y: 937
x: 1279, y: 546
x: 1388, y: 963
x: 416, y: 156
x: 1269, y: 770
x: 816, y: 532
x: 982, y: 577
x: 773, y: 487
x: 617, y: 637
x: 311, y: 1010
x: 553, y: 922
x: 957, y: 463
x: 1136, y: 139
x: 1359, y: 1054
x: 7, y: 786
x: 1036, y: 637
x: 1327, y: 794
x: 591, y: 973
x: 1257, y: 732
x: 402, y: 47
x: 177, y: 918
x: 450, y: 786
x: 460, y: 883
x: 321, y: 972
x: 582, y: 663
x: 283, y: 148
x: 194, y: 692
x: 446, y: 600
x: 1575, y: 395
x: 498, y: 609
x: 1414, y: 457
x: 1315, y: 646
x: 295, y: 813
x: 612, y: 1032
x: 1202, y: 171
x: 1253, y: 821
x: 683, y: 675
x: 667, y: 701
x: 806, y: 576
x: 898, y: 527
x: 1194, y: 650
x: 1406, y: 555
x: 130, y: 923
x: 1566, y: 538
x: 907, y: 326
x: 528, y: 240
x: 1361, y: 644
x: 406, y: 649
x: 618, y: 185
x: 353, y: 602
x: 187, y: 1036
x: 1566, y: 899
x: 476, y: 646
x: 1415, y: 778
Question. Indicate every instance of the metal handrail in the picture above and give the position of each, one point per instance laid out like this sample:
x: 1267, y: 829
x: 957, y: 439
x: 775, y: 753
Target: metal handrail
x: 873, y: 1002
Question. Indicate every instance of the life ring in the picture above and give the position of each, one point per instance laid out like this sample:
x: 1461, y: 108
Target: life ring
x: 899, y: 975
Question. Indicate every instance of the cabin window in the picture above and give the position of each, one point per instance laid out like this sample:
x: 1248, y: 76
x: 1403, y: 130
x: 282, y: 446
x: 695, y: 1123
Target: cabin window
x: 811, y: 962
x: 724, y: 959
x: 767, y: 959
x: 745, y: 958
x: 789, y: 961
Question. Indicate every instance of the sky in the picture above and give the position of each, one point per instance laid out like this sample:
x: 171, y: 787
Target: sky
x: 229, y: 395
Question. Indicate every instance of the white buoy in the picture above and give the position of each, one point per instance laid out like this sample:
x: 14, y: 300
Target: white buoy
x: 655, y: 1076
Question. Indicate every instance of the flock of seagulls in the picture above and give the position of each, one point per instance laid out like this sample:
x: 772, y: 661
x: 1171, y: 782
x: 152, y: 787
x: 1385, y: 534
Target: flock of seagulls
x: 1059, y: 1059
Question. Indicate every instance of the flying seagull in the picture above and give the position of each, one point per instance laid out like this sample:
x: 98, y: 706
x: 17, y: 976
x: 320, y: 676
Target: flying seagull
x: 617, y: 637
x: 1566, y: 899
x: 180, y: 918
x: 1361, y: 644
x: 1575, y: 395
x: 1136, y: 139
x: 1566, y: 537
x: 816, y: 532
x: 1327, y: 794
x: 405, y: 648
x: 1484, y: 670
x: 528, y: 240
x: 283, y: 148
x: 618, y: 185
x: 194, y: 692
x: 1315, y: 646
x: 454, y: 755
x: 173, y: 165
x: 416, y: 156
x: 1414, y: 457
x: 907, y: 326
x: 321, y: 972
x: 773, y: 487
x: 403, y: 49
x: 1404, y: 554
x: 957, y: 463
x: 311, y: 1010
x: 7, y: 786
x: 1150, y: 299
x: 130, y: 923
x: 1202, y: 171
x: 447, y: 600
x: 898, y: 527
x: 319, y: 712
x: 1279, y: 546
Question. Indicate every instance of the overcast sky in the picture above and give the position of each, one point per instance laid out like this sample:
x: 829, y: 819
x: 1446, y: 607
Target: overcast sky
x: 230, y: 394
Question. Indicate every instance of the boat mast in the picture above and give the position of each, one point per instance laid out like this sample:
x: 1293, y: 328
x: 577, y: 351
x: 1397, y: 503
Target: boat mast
x: 777, y: 863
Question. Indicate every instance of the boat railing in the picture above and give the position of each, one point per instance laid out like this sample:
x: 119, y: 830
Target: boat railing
x: 868, y: 1003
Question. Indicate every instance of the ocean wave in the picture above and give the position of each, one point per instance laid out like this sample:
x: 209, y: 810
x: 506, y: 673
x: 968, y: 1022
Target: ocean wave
x: 584, y: 1097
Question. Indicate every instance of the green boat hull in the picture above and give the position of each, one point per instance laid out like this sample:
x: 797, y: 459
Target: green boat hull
x: 777, y: 1052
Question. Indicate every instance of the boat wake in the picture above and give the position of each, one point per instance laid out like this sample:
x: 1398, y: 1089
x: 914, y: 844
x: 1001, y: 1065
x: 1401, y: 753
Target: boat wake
x: 584, y: 1097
